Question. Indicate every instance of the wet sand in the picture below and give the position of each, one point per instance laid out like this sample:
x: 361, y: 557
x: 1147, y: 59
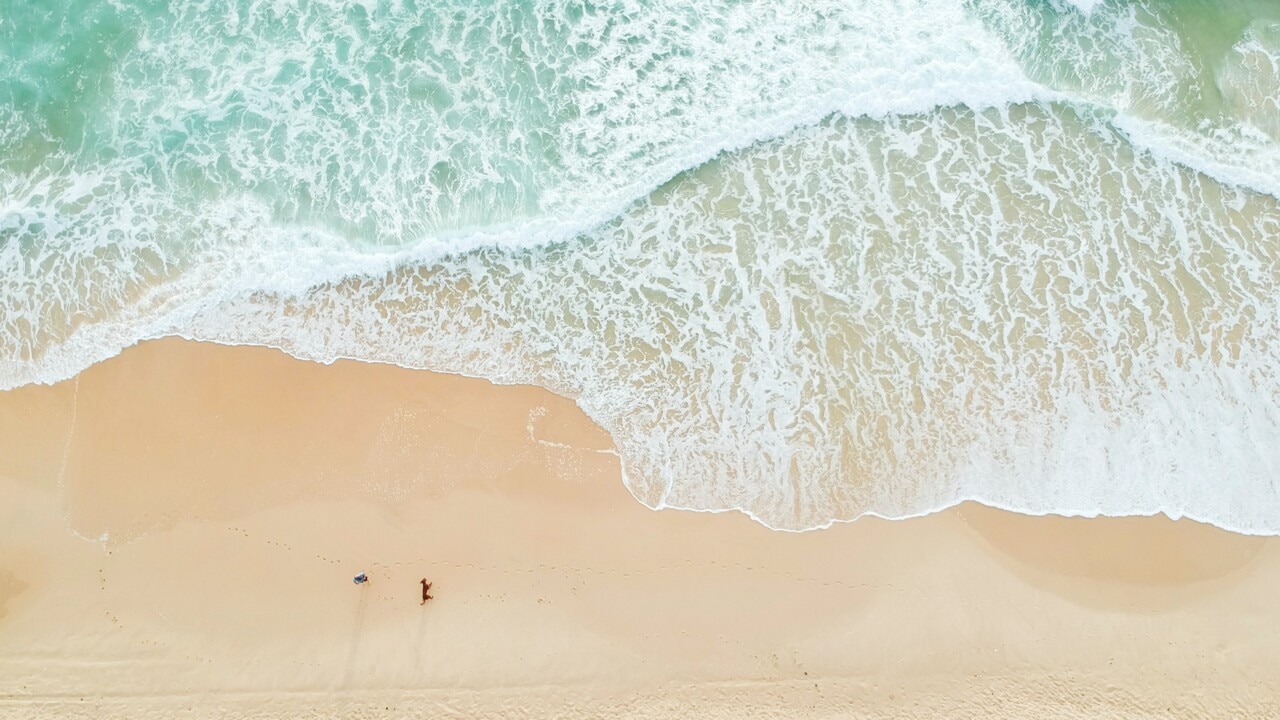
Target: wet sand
x: 179, y: 527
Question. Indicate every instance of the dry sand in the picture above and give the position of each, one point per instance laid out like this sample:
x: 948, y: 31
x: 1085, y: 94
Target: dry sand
x: 179, y: 527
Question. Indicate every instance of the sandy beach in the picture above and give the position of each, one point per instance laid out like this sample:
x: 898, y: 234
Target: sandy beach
x: 179, y: 527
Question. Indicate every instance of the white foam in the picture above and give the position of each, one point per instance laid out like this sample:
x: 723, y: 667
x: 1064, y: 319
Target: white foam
x: 1236, y: 155
x: 1086, y: 7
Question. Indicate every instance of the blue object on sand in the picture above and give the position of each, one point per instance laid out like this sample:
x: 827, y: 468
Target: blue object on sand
x: 361, y: 578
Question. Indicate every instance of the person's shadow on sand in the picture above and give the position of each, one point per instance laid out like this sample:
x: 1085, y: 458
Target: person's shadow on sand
x: 355, y: 642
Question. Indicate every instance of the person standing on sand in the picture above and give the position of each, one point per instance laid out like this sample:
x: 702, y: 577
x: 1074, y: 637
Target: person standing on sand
x: 426, y: 587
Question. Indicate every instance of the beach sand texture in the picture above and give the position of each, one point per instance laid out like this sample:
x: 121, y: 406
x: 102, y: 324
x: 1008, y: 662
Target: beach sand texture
x: 179, y: 527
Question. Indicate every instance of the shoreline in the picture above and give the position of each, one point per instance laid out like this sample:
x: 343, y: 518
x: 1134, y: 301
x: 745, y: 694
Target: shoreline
x: 238, y: 489
x: 834, y: 522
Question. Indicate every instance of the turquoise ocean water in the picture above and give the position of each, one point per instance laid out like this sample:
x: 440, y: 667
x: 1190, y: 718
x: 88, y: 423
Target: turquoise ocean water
x: 809, y: 260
